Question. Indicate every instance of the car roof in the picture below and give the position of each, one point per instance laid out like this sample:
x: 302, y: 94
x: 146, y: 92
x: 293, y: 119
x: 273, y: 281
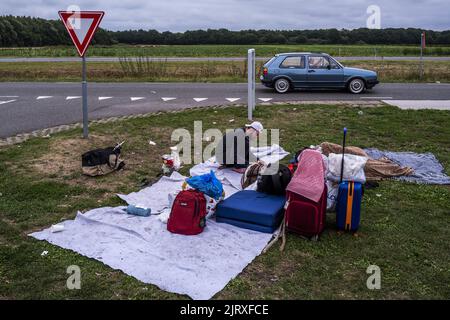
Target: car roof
x: 298, y: 53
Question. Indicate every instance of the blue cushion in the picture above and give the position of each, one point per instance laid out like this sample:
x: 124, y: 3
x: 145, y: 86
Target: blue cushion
x: 247, y: 225
x: 248, y: 207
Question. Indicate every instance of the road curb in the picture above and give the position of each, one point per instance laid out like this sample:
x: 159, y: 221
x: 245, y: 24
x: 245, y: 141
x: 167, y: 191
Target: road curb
x: 45, y: 133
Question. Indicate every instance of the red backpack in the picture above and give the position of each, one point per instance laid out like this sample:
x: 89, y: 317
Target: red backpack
x: 188, y: 213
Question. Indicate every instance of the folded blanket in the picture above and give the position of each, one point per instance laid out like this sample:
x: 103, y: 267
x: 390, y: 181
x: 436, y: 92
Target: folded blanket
x: 308, y: 180
x: 384, y: 168
x: 328, y: 147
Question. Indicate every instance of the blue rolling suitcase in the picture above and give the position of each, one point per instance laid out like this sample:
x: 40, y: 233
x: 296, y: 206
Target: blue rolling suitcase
x: 252, y: 210
x: 348, y: 208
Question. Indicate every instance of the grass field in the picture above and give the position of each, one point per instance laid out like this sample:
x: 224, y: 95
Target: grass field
x: 222, y: 50
x: 405, y: 227
x: 130, y: 70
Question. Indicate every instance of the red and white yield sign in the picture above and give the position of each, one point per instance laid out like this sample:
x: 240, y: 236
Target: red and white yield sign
x: 81, y: 26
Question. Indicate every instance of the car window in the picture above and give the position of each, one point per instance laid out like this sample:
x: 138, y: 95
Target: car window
x: 318, y: 62
x: 293, y: 62
x: 334, y: 64
x: 268, y: 63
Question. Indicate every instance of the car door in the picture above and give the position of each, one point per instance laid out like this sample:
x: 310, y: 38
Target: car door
x: 294, y: 67
x: 324, y: 72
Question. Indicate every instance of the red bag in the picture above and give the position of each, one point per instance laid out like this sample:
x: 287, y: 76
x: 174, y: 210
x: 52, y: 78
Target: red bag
x: 188, y: 213
x: 304, y: 216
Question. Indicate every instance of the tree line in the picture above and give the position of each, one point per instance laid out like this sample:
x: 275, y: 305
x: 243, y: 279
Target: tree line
x: 30, y: 31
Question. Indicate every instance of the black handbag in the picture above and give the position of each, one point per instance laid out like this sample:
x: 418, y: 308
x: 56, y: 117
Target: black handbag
x: 274, y: 183
x: 99, y: 162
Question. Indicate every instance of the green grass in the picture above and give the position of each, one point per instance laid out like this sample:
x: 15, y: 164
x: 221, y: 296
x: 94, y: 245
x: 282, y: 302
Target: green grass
x: 143, y: 70
x: 405, y: 230
x: 222, y: 50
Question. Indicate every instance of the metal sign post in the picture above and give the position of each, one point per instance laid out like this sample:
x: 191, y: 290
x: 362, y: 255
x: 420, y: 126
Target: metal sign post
x: 81, y: 26
x: 85, y: 106
x: 422, y: 46
x: 251, y: 64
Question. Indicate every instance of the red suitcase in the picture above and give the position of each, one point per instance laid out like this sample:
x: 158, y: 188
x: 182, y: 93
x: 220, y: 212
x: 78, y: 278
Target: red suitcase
x: 306, y: 217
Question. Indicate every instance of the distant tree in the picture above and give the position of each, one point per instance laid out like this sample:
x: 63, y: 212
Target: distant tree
x: 273, y: 37
x: 300, y: 39
x: 333, y: 36
x: 28, y: 31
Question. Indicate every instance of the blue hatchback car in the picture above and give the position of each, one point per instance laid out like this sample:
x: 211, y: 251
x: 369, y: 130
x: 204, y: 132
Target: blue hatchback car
x: 308, y: 70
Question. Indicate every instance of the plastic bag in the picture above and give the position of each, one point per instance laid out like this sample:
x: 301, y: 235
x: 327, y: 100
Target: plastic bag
x: 208, y: 184
x: 211, y: 205
x: 353, y: 167
x: 333, y: 189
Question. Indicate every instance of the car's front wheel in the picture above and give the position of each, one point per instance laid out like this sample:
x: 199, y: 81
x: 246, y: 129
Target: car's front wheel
x: 282, y: 85
x: 356, y: 86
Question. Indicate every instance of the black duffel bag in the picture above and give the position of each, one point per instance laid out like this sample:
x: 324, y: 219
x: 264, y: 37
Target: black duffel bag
x: 99, y: 162
x: 274, y: 182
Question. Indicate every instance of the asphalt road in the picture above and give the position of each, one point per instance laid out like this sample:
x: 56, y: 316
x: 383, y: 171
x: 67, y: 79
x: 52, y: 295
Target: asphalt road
x: 219, y: 59
x: 25, y: 107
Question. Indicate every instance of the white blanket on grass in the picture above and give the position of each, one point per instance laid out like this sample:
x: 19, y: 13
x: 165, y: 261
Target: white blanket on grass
x: 198, y: 266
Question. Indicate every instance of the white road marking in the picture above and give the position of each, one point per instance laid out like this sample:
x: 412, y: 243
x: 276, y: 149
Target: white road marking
x: 200, y: 99
x: 136, y: 98
x: 8, y: 101
x: 43, y: 97
x: 167, y: 99
x: 73, y: 97
x: 376, y: 98
x: 9, y: 96
x: 265, y: 99
x: 233, y: 99
x: 420, y: 104
x: 104, y: 98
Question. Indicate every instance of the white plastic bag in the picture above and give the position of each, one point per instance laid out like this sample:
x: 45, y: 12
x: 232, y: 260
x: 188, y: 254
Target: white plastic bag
x: 332, y: 194
x: 353, y: 167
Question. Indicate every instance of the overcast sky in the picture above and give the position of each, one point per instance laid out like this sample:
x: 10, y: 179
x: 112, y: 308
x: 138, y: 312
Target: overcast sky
x: 181, y: 15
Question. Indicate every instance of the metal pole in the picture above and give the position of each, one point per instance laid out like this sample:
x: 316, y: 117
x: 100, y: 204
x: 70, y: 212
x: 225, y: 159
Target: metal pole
x: 251, y: 82
x: 253, y: 78
x: 85, y: 106
x: 421, y: 56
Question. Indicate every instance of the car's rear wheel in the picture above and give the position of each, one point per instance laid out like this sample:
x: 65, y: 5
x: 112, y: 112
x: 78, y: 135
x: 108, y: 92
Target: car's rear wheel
x: 282, y: 85
x: 356, y: 86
